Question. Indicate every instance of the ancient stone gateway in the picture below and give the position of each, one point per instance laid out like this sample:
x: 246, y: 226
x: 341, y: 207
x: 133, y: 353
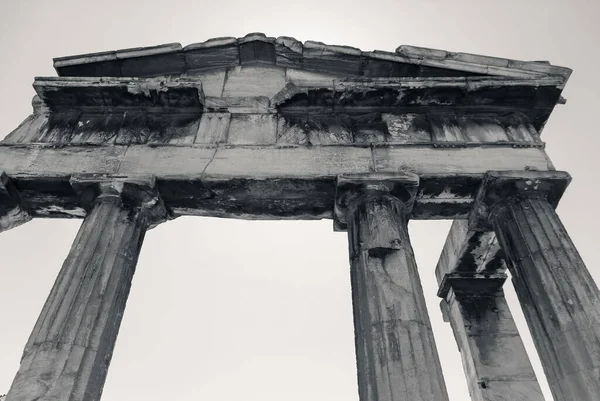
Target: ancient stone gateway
x: 264, y: 128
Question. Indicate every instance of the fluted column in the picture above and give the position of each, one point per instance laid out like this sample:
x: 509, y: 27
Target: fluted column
x: 69, y: 351
x: 13, y: 211
x: 559, y: 298
x: 493, y: 355
x: 397, y: 359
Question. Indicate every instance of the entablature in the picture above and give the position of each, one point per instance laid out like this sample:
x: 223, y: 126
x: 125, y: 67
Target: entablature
x: 441, y: 112
x: 260, y: 127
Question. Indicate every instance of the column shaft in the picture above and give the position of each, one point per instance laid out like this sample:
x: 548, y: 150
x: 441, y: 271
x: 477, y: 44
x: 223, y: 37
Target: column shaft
x: 69, y: 350
x: 396, y: 354
x: 559, y: 298
x: 494, y: 358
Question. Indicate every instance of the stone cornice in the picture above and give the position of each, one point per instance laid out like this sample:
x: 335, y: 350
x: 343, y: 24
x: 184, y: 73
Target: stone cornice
x: 499, y: 187
x: 118, y: 94
x: 534, y: 98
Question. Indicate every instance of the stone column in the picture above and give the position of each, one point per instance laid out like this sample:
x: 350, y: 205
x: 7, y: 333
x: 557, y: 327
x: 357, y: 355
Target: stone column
x: 494, y: 358
x: 396, y: 354
x: 13, y: 211
x: 70, y: 348
x: 559, y: 298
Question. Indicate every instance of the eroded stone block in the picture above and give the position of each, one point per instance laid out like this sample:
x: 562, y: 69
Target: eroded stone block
x: 252, y: 129
x: 254, y: 81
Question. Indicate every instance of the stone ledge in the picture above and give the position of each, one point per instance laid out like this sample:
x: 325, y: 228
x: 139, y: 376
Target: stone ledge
x: 471, y: 283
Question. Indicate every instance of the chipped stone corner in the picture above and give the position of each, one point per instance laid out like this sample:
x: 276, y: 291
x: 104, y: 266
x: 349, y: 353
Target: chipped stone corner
x: 138, y: 87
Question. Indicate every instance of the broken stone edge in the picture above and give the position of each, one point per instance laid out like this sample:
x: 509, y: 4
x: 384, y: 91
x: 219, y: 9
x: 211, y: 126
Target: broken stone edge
x: 13, y: 211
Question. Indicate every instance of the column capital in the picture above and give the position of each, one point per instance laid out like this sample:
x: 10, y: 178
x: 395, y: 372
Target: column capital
x: 352, y: 187
x: 137, y: 192
x: 13, y: 211
x: 500, y: 187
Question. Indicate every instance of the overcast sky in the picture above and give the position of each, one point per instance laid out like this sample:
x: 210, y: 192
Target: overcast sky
x: 224, y: 310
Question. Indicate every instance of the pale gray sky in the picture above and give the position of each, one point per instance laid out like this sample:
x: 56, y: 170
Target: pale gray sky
x: 225, y: 309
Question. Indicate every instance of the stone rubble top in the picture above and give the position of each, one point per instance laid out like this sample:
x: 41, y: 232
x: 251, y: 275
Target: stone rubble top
x: 257, y: 48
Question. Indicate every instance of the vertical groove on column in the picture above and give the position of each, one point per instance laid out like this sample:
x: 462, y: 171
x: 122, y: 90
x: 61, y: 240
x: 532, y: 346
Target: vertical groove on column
x: 68, y: 353
x: 52, y: 306
x: 396, y: 355
x: 559, y: 297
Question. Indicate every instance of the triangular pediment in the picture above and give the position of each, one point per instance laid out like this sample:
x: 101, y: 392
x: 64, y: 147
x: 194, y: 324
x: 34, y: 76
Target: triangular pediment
x: 218, y: 54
